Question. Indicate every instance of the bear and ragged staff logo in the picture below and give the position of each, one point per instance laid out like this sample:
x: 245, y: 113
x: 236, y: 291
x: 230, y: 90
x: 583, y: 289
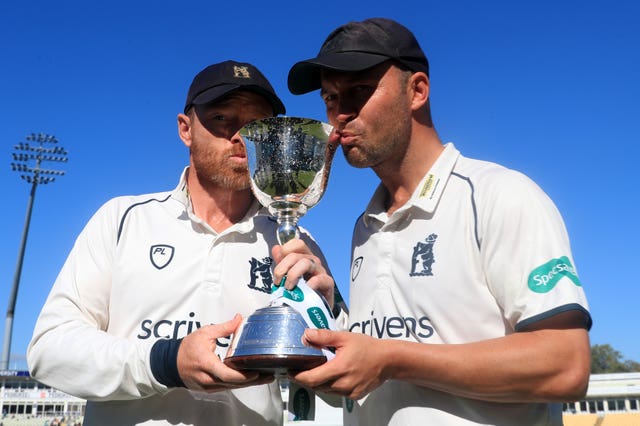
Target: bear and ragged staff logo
x: 423, y: 258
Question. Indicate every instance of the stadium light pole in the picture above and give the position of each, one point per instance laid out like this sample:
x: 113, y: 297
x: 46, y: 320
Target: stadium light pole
x: 39, y: 148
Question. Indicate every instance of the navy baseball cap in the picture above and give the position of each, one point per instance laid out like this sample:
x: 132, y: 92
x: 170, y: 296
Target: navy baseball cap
x: 357, y: 46
x: 220, y: 79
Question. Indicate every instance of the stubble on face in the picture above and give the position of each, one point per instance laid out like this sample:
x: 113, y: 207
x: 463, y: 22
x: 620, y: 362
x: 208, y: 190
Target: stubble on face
x: 380, y: 122
x: 382, y: 138
x: 216, y: 168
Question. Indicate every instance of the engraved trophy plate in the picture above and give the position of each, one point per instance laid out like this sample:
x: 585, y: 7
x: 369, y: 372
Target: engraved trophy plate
x: 270, y: 340
x: 289, y: 161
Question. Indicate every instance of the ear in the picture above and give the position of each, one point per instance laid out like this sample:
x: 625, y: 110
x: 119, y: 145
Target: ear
x: 184, y: 129
x: 419, y: 86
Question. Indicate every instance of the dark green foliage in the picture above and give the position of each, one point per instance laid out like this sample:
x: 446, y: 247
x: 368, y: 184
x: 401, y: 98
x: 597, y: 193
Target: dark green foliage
x: 605, y: 359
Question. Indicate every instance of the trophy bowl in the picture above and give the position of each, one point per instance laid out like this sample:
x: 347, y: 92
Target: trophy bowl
x: 289, y: 162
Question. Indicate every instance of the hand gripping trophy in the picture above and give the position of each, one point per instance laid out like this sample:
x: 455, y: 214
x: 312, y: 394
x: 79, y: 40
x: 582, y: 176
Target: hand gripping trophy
x: 289, y: 162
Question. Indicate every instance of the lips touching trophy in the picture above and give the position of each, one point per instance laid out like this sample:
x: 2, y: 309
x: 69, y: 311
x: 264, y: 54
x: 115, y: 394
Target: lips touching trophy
x: 289, y: 161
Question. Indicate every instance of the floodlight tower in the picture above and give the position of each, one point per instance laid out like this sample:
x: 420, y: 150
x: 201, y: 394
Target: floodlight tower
x: 37, y: 148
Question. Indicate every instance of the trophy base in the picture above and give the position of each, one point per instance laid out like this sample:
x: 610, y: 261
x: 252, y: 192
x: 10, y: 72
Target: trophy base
x: 270, y: 341
x: 278, y: 365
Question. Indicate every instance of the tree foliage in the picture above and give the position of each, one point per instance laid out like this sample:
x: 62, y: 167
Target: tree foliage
x: 605, y: 359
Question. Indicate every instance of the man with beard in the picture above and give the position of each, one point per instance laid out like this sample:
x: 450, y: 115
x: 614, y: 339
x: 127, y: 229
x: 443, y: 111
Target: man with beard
x: 465, y: 307
x: 139, y: 318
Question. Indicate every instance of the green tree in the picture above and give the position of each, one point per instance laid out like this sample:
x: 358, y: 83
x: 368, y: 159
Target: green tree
x: 605, y: 359
x: 632, y: 365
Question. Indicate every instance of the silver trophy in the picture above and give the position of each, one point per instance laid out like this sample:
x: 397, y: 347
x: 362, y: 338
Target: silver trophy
x: 289, y: 162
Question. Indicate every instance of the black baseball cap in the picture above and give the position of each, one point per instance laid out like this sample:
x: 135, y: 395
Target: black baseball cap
x: 223, y: 78
x: 357, y: 46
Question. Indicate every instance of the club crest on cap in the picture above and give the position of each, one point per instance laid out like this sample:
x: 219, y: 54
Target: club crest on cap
x: 241, y: 72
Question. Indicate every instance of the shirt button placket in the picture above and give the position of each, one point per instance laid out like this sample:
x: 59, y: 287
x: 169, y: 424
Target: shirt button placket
x: 213, y: 263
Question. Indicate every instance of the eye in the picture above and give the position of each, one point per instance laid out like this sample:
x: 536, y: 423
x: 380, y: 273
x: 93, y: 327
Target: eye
x: 362, y: 90
x: 329, y: 98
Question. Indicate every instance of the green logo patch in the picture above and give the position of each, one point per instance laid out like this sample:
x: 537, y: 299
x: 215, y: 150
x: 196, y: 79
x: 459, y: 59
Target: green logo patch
x: 296, y: 295
x: 545, y: 277
x: 318, y: 317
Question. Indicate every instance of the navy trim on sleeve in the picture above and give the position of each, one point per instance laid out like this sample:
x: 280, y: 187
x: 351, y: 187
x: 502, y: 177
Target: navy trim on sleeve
x: 560, y: 309
x: 164, y: 362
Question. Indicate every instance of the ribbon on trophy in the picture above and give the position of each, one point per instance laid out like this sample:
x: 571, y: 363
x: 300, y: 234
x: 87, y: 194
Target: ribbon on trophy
x: 315, y: 310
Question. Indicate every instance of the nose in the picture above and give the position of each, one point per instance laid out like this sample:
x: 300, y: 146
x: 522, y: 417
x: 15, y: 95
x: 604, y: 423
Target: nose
x: 345, y: 112
x: 344, y: 117
x: 236, y: 138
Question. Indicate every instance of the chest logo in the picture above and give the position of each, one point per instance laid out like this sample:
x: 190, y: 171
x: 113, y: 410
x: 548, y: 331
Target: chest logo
x: 423, y: 259
x: 161, y: 255
x: 260, y: 274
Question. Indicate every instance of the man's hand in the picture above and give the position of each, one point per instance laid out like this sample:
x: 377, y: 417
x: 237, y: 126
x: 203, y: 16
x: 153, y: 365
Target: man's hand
x: 547, y: 362
x: 357, y: 369
x: 295, y: 260
x: 201, y: 369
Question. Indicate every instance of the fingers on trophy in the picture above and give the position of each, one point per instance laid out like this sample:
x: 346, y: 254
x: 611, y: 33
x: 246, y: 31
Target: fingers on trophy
x: 289, y: 162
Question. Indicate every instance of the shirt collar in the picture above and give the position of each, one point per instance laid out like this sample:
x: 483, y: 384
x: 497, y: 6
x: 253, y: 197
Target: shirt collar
x: 181, y: 194
x: 427, y: 193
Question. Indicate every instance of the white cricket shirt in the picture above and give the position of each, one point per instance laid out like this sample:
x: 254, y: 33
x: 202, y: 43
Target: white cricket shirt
x: 476, y: 253
x: 146, y: 268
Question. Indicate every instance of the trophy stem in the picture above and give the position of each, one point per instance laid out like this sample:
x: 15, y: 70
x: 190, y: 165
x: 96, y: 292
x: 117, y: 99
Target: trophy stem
x: 287, y: 213
x: 287, y: 228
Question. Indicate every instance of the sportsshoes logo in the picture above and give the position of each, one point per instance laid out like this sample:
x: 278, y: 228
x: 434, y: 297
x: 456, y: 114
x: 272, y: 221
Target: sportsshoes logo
x: 318, y: 317
x: 545, y: 277
x: 296, y: 294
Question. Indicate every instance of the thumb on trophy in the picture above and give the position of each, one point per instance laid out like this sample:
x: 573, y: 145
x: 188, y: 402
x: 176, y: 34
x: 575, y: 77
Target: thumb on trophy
x: 319, y: 338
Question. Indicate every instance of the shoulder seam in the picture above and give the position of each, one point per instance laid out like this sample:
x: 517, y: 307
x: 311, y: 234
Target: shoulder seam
x: 124, y: 216
x: 473, y: 204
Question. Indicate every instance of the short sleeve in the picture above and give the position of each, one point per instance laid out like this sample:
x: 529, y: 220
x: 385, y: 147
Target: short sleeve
x: 526, y: 252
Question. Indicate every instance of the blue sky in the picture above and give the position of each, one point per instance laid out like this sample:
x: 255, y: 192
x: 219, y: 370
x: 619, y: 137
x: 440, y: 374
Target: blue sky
x: 549, y: 88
